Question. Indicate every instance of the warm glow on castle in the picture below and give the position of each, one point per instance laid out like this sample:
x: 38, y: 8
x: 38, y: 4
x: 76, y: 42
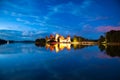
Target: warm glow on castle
x: 58, y: 38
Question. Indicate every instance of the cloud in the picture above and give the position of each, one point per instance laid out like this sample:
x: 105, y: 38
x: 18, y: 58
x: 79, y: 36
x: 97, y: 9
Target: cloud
x: 86, y: 3
x: 97, y: 18
x: 21, y: 15
x: 89, y: 28
x: 118, y: 23
x: 82, y: 10
x: 32, y: 33
x: 24, y: 18
x: 31, y: 20
x: 70, y: 8
x: 16, y: 5
x: 28, y: 22
x: 23, y: 21
x: 44, y: 26
x: 107, y: 28
x: 18, y: 14
x: 21, y: 35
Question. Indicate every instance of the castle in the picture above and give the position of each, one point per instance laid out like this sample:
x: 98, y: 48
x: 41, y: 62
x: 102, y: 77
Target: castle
x: 58, y: 38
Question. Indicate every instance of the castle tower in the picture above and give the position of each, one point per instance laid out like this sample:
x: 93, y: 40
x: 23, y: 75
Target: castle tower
x: 68, y: 38
x: 56, y: 37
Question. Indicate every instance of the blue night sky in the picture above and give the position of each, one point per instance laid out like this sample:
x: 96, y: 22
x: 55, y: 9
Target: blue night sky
x: 30, y: 19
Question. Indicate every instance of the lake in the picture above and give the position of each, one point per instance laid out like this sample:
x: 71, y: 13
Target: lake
x: 19, y: 61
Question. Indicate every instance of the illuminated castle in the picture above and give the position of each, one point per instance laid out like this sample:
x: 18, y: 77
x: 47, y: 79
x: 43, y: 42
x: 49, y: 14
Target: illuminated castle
x: 59, y: 38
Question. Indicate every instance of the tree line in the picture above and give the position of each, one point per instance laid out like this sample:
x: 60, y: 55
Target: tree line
x: 110, y: 37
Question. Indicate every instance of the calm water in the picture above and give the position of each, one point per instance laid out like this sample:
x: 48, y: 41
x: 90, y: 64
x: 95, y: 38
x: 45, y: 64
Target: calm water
x: 28, y: 62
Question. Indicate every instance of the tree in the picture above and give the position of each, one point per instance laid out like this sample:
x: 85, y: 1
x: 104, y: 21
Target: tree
x: 40, y: 42
x: 101, y: 39
x: 113, y: 36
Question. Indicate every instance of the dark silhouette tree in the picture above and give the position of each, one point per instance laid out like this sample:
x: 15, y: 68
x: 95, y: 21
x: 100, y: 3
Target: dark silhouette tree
x: 113, y: 36
x: 40, y: 42
x: 101, y: 39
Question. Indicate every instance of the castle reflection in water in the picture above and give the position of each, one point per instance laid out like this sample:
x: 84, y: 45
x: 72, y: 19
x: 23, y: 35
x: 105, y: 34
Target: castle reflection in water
x: 61, y: 46
x: 58, y: 47
x: 111, y: 50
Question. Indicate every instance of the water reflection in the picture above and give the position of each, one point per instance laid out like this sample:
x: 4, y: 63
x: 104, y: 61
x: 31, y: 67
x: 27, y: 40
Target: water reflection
x: 28, y: 62
x: 111, y: 50
x: 18, y: 48
x: 61, y: 46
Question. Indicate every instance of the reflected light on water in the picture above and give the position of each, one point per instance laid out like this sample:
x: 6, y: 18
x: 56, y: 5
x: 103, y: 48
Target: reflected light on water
x: 111, y: 50
x: 59, y: 47
x: 29, y: 62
